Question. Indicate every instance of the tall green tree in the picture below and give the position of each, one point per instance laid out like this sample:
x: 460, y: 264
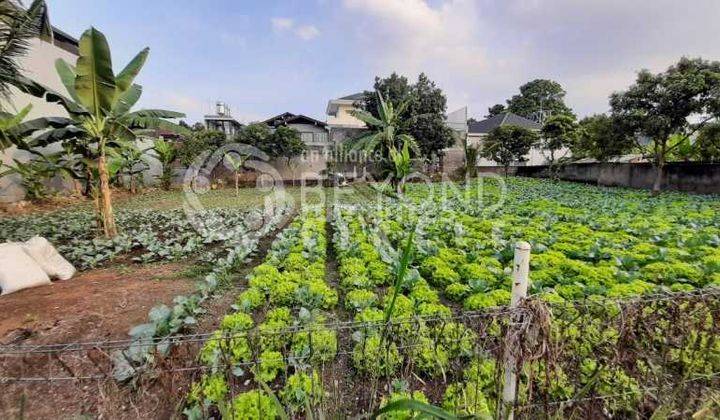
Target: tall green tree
x: 679, y: 102
x: 258, y: 135
x: 707, y: 143
x: 559, y: 132
x: 99, y: 108
x: 507, y: 144
x: 539, y: 98
x: 495, y: 110
x: 424, y: 116
x: 287, y: 143
x: 599, y: 137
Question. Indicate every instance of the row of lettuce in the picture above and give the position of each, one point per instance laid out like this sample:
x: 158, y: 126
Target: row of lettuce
x: 586, y: 241
x: 276, y: 335
x: 164, y: 322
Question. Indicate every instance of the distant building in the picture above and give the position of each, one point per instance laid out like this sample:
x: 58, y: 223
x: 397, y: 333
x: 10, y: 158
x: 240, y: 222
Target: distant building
x: 342, y: 125
x: 478, y: 130
x: 223, y: 121
x: 313, y: 133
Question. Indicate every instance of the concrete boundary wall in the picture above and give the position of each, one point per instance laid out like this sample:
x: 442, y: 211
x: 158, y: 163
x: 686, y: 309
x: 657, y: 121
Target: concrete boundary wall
x: 695, y: 177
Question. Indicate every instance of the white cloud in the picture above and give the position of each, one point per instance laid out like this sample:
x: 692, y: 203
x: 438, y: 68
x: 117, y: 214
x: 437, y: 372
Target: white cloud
x: 412, y: 36
x: 281, y: 24
x: 307, y: 32
x: 304, y: 32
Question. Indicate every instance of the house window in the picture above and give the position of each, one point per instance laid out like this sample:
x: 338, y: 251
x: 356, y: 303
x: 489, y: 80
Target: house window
x: 320, y: 137
x: 306, y: 137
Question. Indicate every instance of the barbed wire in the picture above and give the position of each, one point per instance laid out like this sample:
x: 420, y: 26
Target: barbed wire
x: 457, y: 315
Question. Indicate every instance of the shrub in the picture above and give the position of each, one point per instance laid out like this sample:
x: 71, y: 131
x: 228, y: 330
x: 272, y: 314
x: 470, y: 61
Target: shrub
x: 376, y: 361
x: 211, y: 389
x: 478, y: 273
x: 360, y: 299
x: 283, y: 293
x: 423, y: 293
x: 254, y: 405
x: 457, y: 291
x: 251, y: 299
x: 236, y: 322
x: 466, y: 399
x: 671, y: 272
x: 438, y: 271
x: 271, y: 363
x: 429, y: 357
x: 302, y: 390
x: 402, y: 414
x: 317, y: 346
x: 490, y: 299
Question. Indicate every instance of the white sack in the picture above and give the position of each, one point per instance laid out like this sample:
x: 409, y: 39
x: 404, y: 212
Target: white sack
x: 18, y: 270
x: 47, y: 257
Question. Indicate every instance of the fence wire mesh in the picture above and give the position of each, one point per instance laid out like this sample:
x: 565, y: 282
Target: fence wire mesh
x: 595, y: 358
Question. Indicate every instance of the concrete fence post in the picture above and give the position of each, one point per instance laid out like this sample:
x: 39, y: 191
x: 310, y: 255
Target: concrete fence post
x: 520, y: 277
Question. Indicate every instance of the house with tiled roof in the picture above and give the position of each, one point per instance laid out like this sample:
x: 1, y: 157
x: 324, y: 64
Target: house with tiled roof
x: 478, y: 130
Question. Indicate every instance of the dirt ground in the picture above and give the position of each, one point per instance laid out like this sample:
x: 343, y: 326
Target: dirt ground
x: 102, y: 305
x: 95, y: 305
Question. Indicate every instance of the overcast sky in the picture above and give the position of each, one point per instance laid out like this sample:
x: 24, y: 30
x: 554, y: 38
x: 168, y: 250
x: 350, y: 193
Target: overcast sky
x: 267, y: 57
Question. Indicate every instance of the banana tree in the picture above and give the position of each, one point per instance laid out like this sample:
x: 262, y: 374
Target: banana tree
x: 8, y: 126
x: 99, y: 108
x: 236, y: 163
x: 385, y: 140
x: 166, y: 154
x: 132, y: 162
x: 402, y: 162
x: 34, y: 173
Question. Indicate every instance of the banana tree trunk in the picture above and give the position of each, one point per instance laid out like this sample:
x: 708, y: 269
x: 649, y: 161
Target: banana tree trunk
x: 107, y: 217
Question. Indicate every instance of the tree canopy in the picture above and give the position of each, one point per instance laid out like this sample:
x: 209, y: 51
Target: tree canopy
x: 677, y: 102
x: 559, y: 132
x: 424, y: 116
x: 599, y: 137
x: 536, y: 97
x: 495, y: 110
x: 284, y: 142
x: 507, y: 144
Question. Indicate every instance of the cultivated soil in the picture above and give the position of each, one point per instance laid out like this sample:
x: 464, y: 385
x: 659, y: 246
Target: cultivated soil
x: 101, y: 305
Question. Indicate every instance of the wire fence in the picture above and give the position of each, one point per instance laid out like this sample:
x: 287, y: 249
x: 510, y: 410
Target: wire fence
x: 578, y: 359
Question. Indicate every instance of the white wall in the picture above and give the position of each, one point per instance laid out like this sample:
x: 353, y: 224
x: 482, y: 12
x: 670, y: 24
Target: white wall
x: 344, y: 118
x: 39, y: 65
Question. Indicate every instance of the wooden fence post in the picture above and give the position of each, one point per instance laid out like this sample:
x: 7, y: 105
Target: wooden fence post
x: 521, y: 271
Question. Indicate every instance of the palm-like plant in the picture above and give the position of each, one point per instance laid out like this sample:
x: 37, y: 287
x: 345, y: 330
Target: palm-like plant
x: 166, y: 154
x: 99, y: 109
x: 132, y: 163
x: 236, y: 162
x: 394, y: 148
x: 8, y: 126
x: 17, y: 27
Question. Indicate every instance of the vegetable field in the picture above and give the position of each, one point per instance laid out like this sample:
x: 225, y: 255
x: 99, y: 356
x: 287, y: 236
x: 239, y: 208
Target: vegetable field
x: 618, y: 310
x: 375, y: 300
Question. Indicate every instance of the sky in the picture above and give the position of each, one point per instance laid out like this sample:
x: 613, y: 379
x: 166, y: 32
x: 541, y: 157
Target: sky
x: 268, y: 57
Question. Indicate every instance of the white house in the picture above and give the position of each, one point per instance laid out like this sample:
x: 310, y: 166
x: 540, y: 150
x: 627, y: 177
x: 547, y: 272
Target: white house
x: 38, y: 65
x: 478, y: 130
